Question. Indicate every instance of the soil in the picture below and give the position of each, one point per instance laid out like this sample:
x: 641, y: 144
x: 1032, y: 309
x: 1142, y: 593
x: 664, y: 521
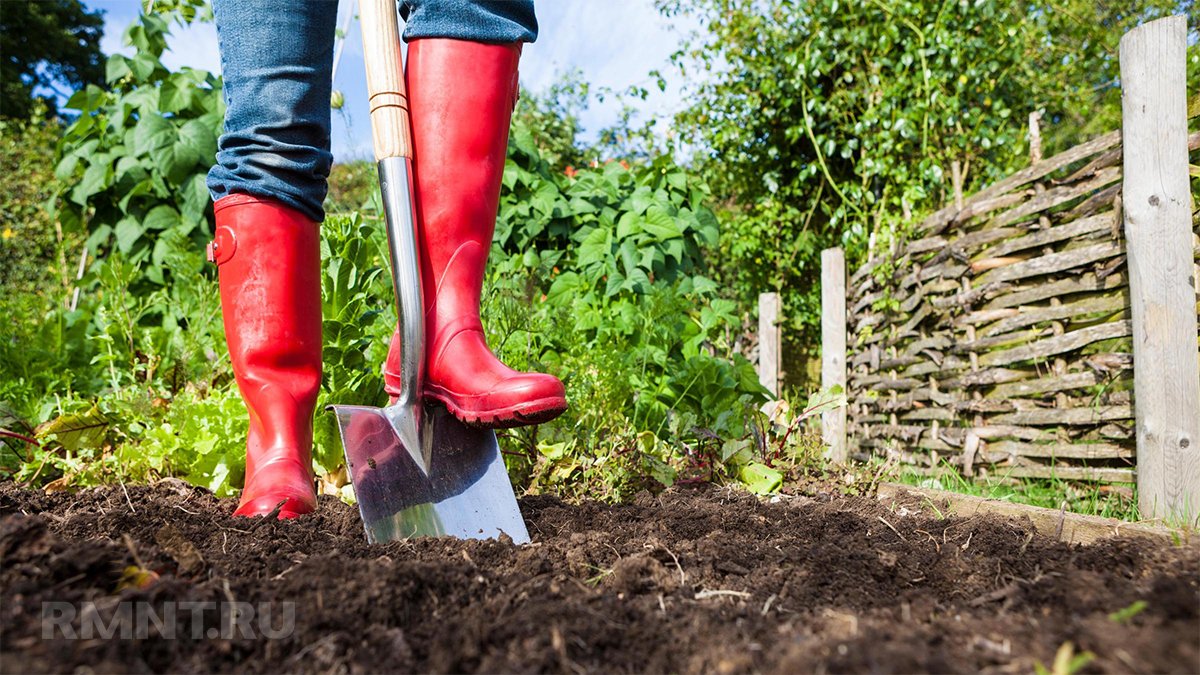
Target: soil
x: 700, y: 579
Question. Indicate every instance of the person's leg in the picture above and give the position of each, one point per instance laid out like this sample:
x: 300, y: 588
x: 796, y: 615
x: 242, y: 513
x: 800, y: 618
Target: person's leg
x: 462, y: 85
x: 277, y: 62
x: 268, y: 186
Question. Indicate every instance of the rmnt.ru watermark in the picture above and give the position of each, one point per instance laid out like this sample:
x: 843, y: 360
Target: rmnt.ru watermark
x: 169, y: 621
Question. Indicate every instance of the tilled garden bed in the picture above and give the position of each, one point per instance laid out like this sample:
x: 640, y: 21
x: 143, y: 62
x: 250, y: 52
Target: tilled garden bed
x: 693, y: 580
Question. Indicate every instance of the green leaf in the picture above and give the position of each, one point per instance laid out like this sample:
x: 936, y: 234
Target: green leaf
x: 1127, y: 614
x: 640, y: 200
x: 660, y: 471
x: 176, y: 95
x: 628, y: 225
x: 760, y: 478
x: 161, y: 217
x: 143, y: 187
x: 176, y: 160
x: 99, y: 237
x: 199, y: 138
x: 824, y: 400
x: 595, y: 247
x: 76, y: 431
x: 563, y: 288
x: 86, y: 99
x: 145, y: 99
x: 660, y: 224
x: 150, y: 133
x: 128, y: 232
x: 116, y: 68
x: 195, y: 198
x: 96, y: 178
x: 703, y: 285
x: 66, y: 167
x: 677, y: 180
x: 615, y: 281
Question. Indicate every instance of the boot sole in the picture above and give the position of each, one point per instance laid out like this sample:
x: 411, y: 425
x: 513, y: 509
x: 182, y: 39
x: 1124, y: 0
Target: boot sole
x: 263, y: 505
x: 526, y: 414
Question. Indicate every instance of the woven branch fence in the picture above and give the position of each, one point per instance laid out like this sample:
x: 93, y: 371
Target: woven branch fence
x: 997, y: 338
x: 1007, y: 344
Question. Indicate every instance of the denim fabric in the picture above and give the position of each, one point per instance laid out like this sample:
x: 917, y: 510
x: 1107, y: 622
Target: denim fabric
x: 495, y: 21
x: 277, y: 59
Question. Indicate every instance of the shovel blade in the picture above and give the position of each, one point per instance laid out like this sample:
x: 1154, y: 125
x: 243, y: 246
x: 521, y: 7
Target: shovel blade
x: 454, y: 485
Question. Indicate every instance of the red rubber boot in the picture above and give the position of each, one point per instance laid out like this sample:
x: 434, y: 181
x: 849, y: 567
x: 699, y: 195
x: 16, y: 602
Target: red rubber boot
x: 461, y: 96
x: 269, y: 261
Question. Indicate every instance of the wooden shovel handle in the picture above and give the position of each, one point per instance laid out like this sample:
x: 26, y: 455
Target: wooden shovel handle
x: 385, y: 79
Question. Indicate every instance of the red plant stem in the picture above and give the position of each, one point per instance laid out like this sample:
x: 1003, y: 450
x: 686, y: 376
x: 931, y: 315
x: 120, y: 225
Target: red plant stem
x: 20, y: 437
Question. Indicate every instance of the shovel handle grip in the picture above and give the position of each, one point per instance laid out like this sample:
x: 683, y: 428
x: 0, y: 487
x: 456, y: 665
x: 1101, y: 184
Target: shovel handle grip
x: 385, y: 79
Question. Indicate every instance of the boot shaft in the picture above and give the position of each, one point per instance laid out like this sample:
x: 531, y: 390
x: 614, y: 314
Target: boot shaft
x: 268, y: 257
x: 462, y: 96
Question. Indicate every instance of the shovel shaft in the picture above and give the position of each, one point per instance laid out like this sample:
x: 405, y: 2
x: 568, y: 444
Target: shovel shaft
x: 396, y: 185
x: 391, y: 129
x: 385, y: 79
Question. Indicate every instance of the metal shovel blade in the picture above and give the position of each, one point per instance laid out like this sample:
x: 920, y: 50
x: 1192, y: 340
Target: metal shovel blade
x: 452, y: 483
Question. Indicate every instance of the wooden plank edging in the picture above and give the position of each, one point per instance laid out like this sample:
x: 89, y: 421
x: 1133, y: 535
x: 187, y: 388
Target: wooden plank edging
x: 1072, y: 528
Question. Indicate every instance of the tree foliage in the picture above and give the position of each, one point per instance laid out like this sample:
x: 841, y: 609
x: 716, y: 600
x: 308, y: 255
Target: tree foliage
x: 820, y: 123
x: 43, y: 43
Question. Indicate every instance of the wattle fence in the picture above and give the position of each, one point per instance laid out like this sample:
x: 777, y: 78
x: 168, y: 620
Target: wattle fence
x: 1000, y: 337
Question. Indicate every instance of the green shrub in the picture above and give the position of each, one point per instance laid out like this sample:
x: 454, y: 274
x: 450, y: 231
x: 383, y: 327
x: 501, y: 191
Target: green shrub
x: 597, y: 276
x: 30, y: 246
x: 133, y: 164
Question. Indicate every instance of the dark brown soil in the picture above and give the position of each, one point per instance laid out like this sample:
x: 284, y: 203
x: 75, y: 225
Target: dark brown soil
x: 694, y: 580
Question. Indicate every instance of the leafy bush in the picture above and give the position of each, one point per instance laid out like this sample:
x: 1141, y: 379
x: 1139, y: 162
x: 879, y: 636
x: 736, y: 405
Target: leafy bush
x: 29, y: 243
x: 134, y: 163
x: 597, y: 276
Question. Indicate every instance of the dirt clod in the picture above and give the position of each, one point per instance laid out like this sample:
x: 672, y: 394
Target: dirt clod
x: 693, y: 580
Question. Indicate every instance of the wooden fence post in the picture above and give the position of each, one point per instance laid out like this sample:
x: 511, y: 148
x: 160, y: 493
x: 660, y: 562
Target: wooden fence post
x: 768, y: 341
x: 1157, y: 204
x: 833, y: 347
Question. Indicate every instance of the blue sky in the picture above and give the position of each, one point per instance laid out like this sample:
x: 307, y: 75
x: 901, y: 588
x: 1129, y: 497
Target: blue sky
x: 614, y: 43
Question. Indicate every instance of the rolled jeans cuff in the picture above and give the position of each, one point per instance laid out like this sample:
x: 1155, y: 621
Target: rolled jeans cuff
x: 492, y: 21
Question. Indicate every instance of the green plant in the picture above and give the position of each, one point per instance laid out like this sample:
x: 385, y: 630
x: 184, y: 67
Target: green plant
x: 133, y: 163
x: 1126, y: 614
x: 1066, y: 661
x: 358, y: 316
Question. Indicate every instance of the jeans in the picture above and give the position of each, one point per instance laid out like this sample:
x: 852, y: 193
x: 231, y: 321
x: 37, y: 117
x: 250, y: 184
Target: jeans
x: 277, y: 62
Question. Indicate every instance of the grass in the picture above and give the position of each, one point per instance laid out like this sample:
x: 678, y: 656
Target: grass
x: 1116, y: 501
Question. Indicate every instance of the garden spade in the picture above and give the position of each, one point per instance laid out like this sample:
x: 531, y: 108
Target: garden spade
x: 416, y: 470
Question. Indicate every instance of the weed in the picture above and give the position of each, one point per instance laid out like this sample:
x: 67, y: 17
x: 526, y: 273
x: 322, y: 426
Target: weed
x: 1066, y: 661
x: 1126, y: 615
